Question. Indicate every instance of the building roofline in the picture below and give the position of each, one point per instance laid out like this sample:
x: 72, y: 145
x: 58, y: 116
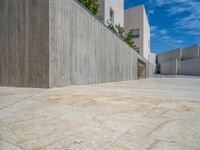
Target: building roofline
x: 131, y: 7
x: 169, y: 51
x: 178, y: 48
x: 144, y: 9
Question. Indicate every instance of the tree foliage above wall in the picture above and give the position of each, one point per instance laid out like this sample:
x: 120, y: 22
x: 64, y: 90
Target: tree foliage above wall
x: 91, y: 5
x: 129, y: 39
x: 120, y: 31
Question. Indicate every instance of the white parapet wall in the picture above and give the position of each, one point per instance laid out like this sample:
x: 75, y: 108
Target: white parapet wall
x: 169, y: 67
x: 191, y: 52
x: 179, y: 61
x: 152, y: 60
x: 169, y: 55
x: 189, y: 67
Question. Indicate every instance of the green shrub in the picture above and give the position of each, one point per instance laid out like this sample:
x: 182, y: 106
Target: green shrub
x: 91, y: 5
x: 120, y: 31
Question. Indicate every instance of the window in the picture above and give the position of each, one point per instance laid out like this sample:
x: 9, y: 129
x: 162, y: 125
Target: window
x: 111, y: 15
x: 137, y: 49
x: 136, y: 33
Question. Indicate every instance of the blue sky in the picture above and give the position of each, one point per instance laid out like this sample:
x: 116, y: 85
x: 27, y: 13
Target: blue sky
x: 173, y: 22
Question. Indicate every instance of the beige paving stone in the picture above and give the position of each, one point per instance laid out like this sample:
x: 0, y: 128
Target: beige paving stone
x: 152, y: 114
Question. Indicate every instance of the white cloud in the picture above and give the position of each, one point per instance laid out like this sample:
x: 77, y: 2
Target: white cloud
x: 153, y: 34
x: 193, y: 32
x: 154, y: 28
x: 158, y: 33
x: 151, y: 11
x: 163, y: 32
x: 161, y: 2
x: 190, y: 22
x: 179, y: 41
x: 166, y: 37
x: 168, y: 2
x: 175, y: 10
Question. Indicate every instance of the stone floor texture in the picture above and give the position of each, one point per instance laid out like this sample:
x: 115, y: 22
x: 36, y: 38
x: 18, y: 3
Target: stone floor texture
x: 152, y: 114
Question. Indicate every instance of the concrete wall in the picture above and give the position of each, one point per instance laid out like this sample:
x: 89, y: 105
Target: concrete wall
x: 188, y: 61
x: 191, y: 52
x: 59, y: 43
x: 24, y: 45
x: 152, y: 60
x: 85, y: 51
x: 136, y: 18
x: 118, y: 8
x: 169, y: 67
x: 189, y: 67
x: 169, y: 55
x: 61, y: 38
x: 150, y: 70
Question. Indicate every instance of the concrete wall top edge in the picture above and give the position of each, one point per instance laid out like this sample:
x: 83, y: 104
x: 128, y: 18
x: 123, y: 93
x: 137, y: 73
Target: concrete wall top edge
x: 170, y: 55
x: 177, y: 49
x: 195, y: 45
x: 169, y: 51
x: 190, y: 52
x: 141, y: 5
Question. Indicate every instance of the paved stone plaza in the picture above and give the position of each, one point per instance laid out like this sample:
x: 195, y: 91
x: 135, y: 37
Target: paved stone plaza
x: 152, y: 114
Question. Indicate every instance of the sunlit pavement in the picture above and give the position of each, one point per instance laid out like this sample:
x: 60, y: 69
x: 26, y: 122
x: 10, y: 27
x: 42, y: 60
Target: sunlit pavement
x: 157, y: 113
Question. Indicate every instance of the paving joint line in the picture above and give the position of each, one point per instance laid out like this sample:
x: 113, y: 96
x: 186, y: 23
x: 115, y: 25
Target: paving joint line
x: 12, y: 144
x: 26, y: 98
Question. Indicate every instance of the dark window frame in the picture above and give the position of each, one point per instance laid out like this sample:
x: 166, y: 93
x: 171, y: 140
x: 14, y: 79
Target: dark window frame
x: 112, y: 15
x: 136, y: 34
x: 137, y: 49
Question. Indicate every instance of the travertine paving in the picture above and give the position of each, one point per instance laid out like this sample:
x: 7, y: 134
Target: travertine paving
x: 152, y: 114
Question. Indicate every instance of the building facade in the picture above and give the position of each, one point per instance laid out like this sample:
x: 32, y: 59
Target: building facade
x: 135, y: 19
x: 111, y: 10
x: 180, y: 61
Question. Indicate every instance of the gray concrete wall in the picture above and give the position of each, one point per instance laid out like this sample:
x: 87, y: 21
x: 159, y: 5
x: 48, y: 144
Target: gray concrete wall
x: 189, y: 67
x: 169, y: 67
x: 24, y: 45
x: 85, y: 51
x: 152, y: 60
x: 170, y: 55
x: 188, y: 62
x: 48, y: 43
x: 191, y: 52
x: 61, y: 29
x: 150, y: 70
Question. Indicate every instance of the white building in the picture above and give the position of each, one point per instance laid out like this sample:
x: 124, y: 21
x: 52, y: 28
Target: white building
x: 111, y: 10
x: 135, y: 19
